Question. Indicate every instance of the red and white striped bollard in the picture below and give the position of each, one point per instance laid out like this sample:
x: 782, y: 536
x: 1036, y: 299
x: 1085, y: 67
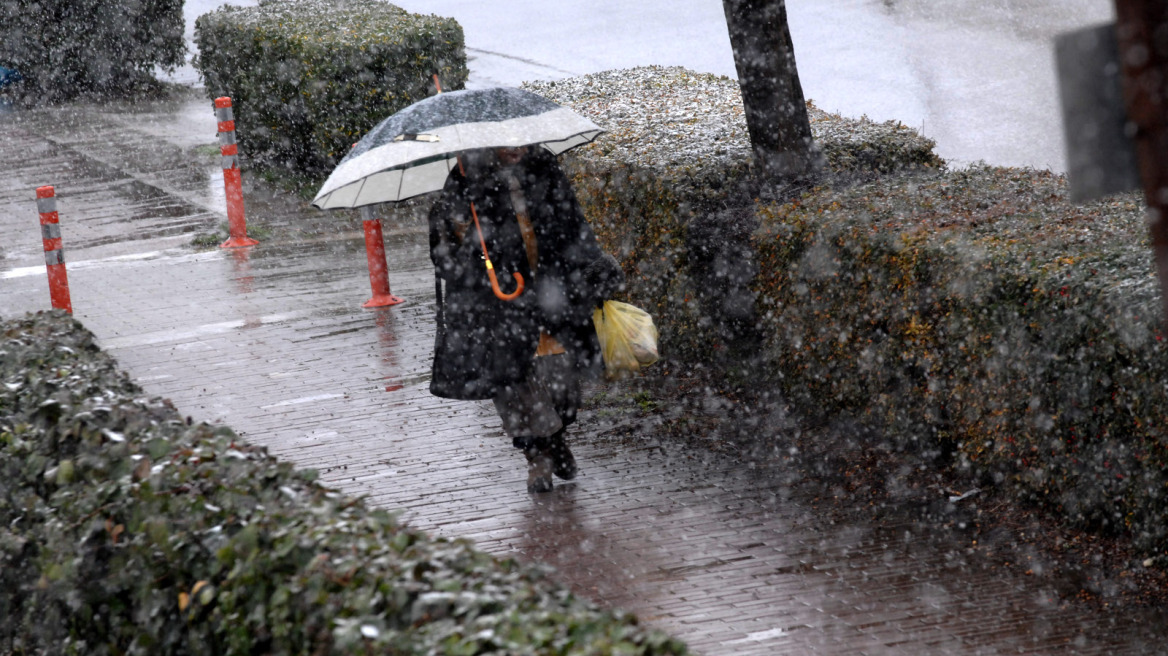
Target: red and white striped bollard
x: 375, y: 256
x: 54, y: 254
x: 232, y: 182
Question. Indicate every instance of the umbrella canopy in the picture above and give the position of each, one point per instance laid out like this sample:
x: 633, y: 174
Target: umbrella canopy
x: 413, y: 151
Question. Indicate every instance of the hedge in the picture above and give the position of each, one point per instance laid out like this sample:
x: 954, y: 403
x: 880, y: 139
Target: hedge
x: 308, y: 78
x: 126, y: 530
x: 666, y: 189
x: 69, y: 48
x: 979, y: 315
x: 974, y: 317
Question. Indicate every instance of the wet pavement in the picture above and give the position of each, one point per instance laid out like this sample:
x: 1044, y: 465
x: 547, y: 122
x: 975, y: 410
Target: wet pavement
x: 272, y: 341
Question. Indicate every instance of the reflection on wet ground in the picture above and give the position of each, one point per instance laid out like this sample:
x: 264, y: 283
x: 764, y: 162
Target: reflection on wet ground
x: 272, y: 341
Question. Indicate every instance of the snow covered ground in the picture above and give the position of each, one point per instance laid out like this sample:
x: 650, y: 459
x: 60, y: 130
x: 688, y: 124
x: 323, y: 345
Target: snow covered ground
x: 975, y: 75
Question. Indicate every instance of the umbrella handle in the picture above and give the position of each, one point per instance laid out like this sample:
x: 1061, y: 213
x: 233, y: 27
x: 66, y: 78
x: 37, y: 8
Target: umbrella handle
x: 491, y: 267
x: 495, y: 284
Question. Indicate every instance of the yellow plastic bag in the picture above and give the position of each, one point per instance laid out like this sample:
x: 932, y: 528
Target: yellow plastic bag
x: 628, y: 337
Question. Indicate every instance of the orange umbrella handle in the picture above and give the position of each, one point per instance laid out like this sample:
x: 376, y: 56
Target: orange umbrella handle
x: 490, y: 267
x: 495, y: 284
x: 486, y: 256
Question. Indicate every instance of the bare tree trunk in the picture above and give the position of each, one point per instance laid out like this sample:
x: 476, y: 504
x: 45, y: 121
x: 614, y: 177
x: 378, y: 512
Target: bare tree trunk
x: 1142, y: 30
x: 776, y: 112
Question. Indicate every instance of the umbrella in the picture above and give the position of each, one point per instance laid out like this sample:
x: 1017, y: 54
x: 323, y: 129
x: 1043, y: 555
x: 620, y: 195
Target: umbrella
x: 412, y: 152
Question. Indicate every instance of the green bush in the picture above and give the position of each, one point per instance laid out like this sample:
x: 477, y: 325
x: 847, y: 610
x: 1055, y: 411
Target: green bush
x: 666, y: 189
x: 980, y: 315
x: 309, y: 78
x: 69, y: 48
x: 126, y: 530
x: 975, y: 317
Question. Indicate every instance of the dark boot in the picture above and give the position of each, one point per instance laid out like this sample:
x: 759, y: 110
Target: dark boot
x: 563, y: 463
x: 539, y: 470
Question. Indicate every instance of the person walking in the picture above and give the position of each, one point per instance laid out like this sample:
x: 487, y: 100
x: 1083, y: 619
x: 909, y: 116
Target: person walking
x: 529, y: 353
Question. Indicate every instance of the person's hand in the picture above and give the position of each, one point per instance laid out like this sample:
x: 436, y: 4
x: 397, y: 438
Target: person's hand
x: 604, y: 277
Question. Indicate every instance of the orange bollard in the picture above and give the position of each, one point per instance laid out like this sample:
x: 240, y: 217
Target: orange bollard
x: 232, y: 182
x: 378, y: 269
x: 54, y: 254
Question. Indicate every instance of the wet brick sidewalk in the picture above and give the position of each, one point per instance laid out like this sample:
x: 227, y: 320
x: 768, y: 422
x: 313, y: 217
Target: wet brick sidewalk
x: 272, y: 341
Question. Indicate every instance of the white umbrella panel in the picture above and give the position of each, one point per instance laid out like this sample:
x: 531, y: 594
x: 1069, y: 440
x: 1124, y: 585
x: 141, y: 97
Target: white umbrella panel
x: 413, y: 151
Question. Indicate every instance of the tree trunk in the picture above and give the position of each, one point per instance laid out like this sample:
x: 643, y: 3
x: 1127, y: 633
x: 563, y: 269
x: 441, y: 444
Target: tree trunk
x: 1142, y: 30
x: 776, y: 113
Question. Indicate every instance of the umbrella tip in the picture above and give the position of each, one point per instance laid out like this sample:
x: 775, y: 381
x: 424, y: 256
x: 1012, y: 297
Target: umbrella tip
x: 437, y: 84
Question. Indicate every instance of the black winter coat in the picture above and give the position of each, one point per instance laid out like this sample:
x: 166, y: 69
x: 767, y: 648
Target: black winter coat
x: 484, y: 342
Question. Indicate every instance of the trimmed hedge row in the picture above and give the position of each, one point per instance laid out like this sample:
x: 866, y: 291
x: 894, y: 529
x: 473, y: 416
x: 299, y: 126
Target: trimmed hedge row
x: 979, y: 314
x: 126, y: 530
x: 308, y: 78
x: 976, y: 316
x: 668, y: 191
x: 69, y: 48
